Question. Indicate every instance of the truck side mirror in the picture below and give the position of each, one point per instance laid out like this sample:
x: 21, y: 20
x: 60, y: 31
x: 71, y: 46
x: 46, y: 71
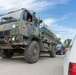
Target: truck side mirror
x: 40, y: 21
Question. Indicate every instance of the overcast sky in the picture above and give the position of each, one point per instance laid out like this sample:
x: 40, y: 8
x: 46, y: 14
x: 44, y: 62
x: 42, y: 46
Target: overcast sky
x: 59, y: 15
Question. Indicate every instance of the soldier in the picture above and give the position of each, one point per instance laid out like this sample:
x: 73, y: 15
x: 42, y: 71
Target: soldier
x: 29, y: 20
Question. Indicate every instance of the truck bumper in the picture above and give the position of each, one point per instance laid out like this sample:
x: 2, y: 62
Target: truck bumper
x: 10, y: 42
x: 4, y: 44
x: 11, y: 46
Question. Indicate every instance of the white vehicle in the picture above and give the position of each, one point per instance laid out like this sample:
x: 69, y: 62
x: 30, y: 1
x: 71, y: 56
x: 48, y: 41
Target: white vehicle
x: 70, y: 59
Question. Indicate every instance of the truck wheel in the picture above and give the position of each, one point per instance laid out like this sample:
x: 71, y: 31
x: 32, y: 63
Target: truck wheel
x: 61, y: 52
x: 32, y: 52
x: 52, y: 52
x: 6, y: 55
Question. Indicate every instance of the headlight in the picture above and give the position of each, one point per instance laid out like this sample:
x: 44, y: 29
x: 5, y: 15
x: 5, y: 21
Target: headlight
x: 13, y: 26
x: 13, y: 38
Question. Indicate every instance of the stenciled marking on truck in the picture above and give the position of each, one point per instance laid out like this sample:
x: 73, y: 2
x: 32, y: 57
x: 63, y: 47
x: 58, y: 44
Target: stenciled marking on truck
x: 24, y: 29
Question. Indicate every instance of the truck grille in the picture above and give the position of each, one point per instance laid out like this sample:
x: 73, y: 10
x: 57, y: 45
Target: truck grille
x: 1, y: 33
x: 4, y: 33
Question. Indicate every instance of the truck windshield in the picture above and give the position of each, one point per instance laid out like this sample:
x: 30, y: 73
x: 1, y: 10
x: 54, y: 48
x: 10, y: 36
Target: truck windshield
x: 10, y: 17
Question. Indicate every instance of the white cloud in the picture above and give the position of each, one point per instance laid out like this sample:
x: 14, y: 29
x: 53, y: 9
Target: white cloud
x: 50, y: 21
x: 59, y: 35
x: 63, y: 18
x: 61, y: 31
x: 29, y: 4
x: 14, y: 4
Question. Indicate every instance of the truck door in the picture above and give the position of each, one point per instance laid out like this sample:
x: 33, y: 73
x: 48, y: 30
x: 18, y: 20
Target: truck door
x: 29, y: 29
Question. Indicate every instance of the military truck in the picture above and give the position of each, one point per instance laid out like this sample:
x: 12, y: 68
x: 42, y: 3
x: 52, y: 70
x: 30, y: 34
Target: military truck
x: 18, y: 36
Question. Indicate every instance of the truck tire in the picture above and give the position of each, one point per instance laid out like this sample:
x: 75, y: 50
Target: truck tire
x: 6, y: 55
x: 52, y: 52
x: 61, y: 52
x: 31, y: 53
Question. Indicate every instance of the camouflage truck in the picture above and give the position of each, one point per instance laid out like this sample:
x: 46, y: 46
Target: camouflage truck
x: 18, y: 36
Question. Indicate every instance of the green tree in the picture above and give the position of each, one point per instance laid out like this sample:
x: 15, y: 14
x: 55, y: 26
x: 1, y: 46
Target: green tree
x: 59, y: 41
x: 67, y: 42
